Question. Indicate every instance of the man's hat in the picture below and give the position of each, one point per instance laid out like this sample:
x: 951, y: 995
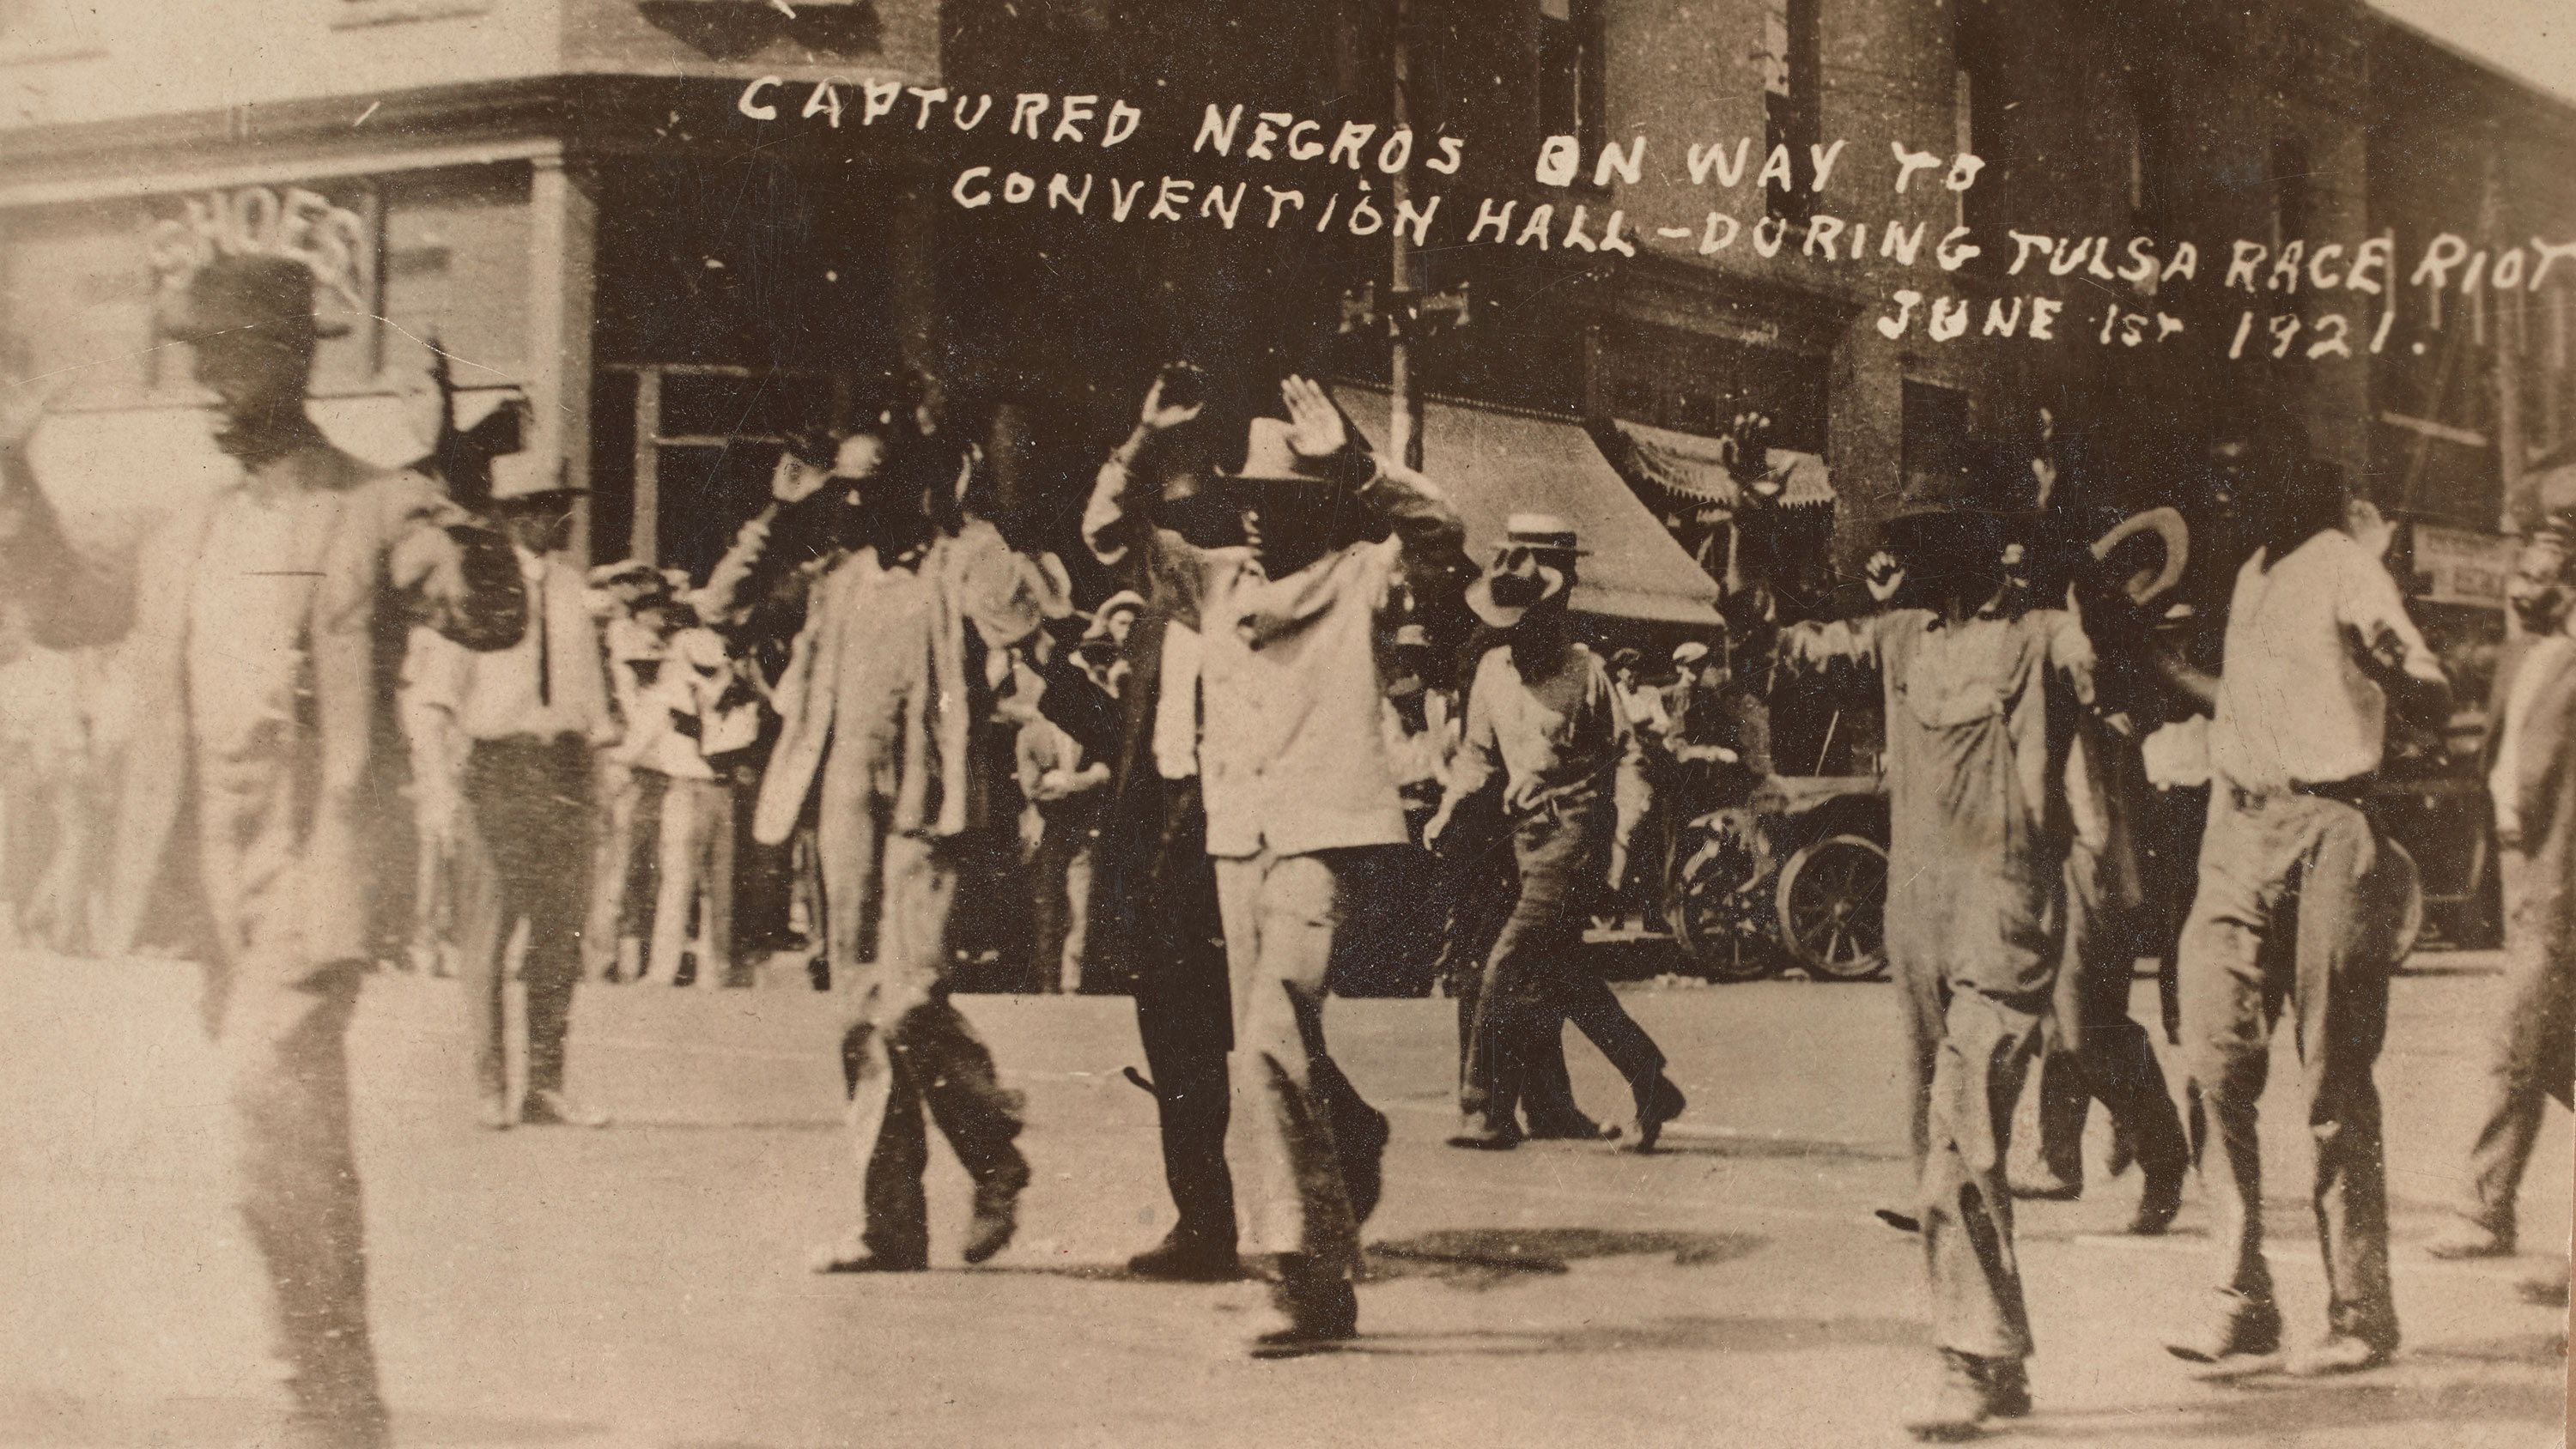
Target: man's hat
x: 1412, y: 636
x: 1544, y: 532
x: 1267, y: 458
x: 1127, y: 599
x: 2144, y: 586
x: 272, y: 296
x: 1689, y: 653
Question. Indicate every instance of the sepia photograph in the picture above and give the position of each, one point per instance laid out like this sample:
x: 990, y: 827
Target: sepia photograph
x: 1187, y: 724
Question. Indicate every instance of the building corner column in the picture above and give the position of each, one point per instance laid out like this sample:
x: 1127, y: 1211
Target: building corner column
x: 562, y: 279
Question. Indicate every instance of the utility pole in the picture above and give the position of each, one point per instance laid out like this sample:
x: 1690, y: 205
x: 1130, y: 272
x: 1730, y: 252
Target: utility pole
x: 1404, y: 384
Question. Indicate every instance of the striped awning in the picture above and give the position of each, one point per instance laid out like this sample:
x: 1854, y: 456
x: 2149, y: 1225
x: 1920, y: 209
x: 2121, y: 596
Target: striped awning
x: 1496, y: 462
x: 1691, y: 469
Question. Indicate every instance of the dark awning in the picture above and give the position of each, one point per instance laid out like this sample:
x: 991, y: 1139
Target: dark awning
x: 1690, y: 469
x: 1494, y: 463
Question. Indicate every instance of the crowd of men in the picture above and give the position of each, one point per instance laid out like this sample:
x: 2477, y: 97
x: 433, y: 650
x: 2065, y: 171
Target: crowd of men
x: 883, y: 695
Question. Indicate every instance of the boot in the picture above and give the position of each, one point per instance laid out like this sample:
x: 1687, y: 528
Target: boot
x: 1964, y: 1399
x: 2236, y: 1326
x: 1322, y: 1309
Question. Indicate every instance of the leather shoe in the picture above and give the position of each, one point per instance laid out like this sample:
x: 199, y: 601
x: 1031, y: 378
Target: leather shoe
x: 1323, y: 1313
x: 853, y: 1257
x: 2466, y: 1239
x: 2007, y: 1384
x: 997, y: 1217
x: 1480, y: 1136
x: 2339, y: 1353
x: 493, y: 1111
x: 1572, y: 1127
x: 2235, y: 1327
x: 1181, y: 1258
x: 1658, y: 1102
x: 1903, y: 1222
x: 2048, y: 1191
x: 554, y: 1109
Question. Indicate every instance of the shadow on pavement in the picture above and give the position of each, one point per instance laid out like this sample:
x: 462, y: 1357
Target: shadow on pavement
x: 1484, y: 1257
x: 1672, y: 1145
x: 2269, y: 1409
x: 1664, y: 1335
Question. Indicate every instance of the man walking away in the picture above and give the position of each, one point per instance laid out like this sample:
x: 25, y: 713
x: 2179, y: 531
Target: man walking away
x: 2531, y: 775
x: 2300, y: 901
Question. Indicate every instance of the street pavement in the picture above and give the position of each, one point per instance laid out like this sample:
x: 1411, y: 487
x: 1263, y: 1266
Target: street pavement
x: 644, y: 1285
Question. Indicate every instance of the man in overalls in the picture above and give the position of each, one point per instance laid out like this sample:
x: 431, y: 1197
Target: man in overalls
x: 1980, y: 704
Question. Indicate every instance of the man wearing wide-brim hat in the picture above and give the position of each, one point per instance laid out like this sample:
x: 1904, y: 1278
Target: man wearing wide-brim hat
x: 259, y: 614
x: 1296, y: 775
x: 533, y: 713
x: 1978, y: 700
x: 1544, y: 720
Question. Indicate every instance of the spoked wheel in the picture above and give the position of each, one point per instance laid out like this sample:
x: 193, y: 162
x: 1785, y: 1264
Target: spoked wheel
x: 1833, y: 901
x: 1719, y: 911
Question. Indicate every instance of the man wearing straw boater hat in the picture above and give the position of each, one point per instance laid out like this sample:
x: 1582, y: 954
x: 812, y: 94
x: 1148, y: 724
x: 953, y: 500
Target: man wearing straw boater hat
x: 1542, y: 716
x: 1295, y: 772
x: 260, y: 614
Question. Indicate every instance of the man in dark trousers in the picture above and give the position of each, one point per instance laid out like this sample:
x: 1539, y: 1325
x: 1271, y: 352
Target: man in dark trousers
x: 1154, y: 909
x: 533, y: 713
x: 261, y: 705
x: 1544, y: 720
x: 2531, y: 776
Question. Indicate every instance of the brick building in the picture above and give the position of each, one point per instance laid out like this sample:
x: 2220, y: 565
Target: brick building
x: 573, y: 195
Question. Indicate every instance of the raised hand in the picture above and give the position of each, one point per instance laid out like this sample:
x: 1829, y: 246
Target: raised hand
x: 1315, y: 429
x: 1156, y: 417
x: 1884, y: 575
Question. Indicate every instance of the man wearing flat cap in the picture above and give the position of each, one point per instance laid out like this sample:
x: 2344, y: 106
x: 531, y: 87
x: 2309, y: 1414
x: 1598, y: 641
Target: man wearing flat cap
x: 263, y: 614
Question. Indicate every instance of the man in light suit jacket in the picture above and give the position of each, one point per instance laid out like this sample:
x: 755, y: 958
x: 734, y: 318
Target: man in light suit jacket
x: 2530, y: 760
x: 892, y: 672
x: 261, y: 617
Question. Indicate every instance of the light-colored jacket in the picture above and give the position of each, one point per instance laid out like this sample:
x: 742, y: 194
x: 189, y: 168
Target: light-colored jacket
x: 881, y: 666
x: 387, y: 526
x: 1293, y: 757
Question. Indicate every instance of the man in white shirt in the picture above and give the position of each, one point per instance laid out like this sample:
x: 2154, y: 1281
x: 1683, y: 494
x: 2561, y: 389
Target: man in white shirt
x: 2299, y: 899
x: 531, y: 714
